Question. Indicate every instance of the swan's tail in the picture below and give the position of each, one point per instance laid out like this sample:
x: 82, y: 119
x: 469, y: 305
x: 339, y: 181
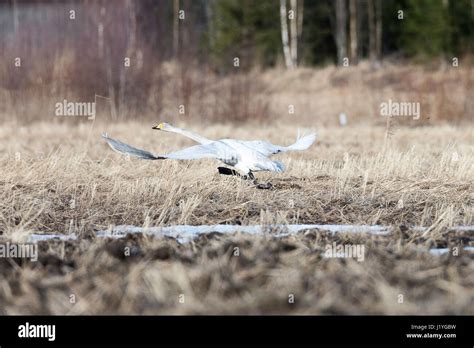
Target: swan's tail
x: 303, y: 142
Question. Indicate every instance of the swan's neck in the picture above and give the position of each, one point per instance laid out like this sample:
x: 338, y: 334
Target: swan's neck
x: 189, y: 134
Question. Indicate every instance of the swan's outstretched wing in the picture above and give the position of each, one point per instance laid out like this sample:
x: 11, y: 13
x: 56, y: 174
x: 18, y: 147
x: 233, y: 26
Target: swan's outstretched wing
x: 267, y: 149
x: 195, y: 152
x: 120, y: 147
x: 211, y: 150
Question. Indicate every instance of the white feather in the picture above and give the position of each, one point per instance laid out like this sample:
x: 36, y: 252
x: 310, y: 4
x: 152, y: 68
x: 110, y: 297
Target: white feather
x: 245, y: 156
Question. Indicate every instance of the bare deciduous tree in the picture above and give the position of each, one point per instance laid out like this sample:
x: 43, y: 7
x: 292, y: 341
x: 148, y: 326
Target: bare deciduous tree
x: 341, y: 37
x: 353, y: 31
x: 378, y: 28
x: 372, y: 34
x: 294, y: 34
x: 374, y: 11
x: 15, y: 16
x: 284, y: 34
x: 300, y: 18
x: 175, y: 27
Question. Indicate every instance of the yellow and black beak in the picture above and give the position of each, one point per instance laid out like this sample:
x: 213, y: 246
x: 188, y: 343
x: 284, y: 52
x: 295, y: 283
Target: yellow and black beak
x: 160, y: 126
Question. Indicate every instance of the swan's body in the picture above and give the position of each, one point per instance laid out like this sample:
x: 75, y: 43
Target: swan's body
x: 245, y: 156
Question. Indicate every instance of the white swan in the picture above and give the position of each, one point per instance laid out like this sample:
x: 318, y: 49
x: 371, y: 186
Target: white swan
x: 245, y: 156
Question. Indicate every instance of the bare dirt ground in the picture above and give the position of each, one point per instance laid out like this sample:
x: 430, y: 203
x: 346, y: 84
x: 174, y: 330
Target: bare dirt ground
x: 64, y: 179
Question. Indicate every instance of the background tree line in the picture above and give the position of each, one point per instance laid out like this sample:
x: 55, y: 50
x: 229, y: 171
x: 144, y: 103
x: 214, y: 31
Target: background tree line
x: 318, y: 32
x: 136, y: 51
x: 269, y: 32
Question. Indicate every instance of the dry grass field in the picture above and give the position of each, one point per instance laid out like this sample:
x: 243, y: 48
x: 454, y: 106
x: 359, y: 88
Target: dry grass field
x: 63, y: 178
x: 445, y: 94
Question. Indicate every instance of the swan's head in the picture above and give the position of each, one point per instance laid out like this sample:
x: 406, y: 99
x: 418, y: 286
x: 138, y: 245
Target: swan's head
x: 162, y: 126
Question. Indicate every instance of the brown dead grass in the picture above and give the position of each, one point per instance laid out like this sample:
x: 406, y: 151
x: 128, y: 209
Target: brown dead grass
x: 206, y: 276
x: 445, y: 94
x: 351, y: 175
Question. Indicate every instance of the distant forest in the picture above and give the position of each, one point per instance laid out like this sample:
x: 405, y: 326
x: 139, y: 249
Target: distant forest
x: 136, y: 51
x: 258, y: 32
